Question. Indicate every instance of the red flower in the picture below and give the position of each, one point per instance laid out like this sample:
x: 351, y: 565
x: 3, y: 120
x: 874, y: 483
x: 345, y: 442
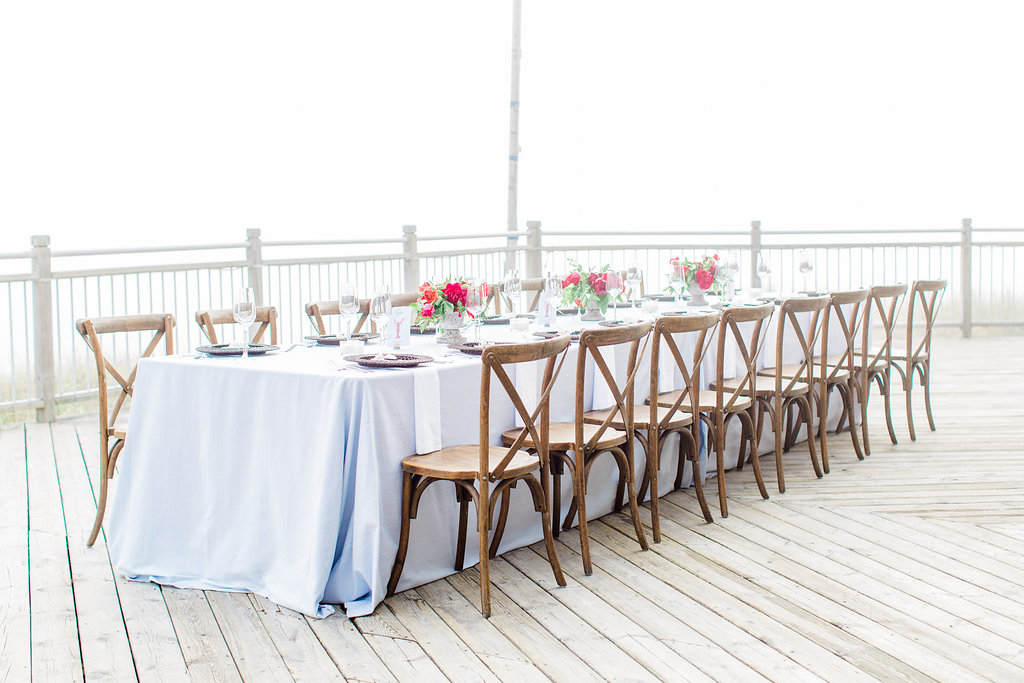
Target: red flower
x: 429, y: 293
x: 571, y: 279
x: 427, y: 311
x: 577, y: 302
x: 455, y: 293
x: 485, y: 290
x: 705, y: 278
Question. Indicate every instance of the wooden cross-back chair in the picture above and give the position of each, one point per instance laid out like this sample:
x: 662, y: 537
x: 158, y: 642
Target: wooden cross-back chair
x: 925, y: 295
x: 654, y: 422
x: 873, y: 364
x: 837, y: 372
x: 719, y: 405
x: 266, y: 316
x: 112, y: 434
x: 317, y: 310
x: 587, y: 440
x: 790, y: 387
x: 533, y: 290
x: 474, y: 468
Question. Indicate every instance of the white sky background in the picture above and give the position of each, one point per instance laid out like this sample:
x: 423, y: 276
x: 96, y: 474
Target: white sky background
x: 140, y: 123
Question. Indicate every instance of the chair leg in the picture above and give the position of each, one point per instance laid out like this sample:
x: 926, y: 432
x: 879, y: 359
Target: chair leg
x: 460, y: 552
x: 634, y: 507
x: 748, y: 425
x: 540, y: 502
x: 483, y: 518
x: 499, y: 528
x: 865, y: 392
x: 101, y: 507
x: 926, y: 380
x: 846, y: 391
x: 403, y: 539
x: 823, y: 427
x: 908, y: 386
x: 556, y: 492
x: 651, y: 466
x: 777, y: 416
x: 888, y: 405
x: 723, y: 506
x: 580, y: 498
x: 804, y: 406
x: 698, y: 480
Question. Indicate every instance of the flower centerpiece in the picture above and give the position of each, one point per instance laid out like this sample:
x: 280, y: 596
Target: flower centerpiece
x: 443, y: 305
x: 587, y: 289
x: 698, y: 277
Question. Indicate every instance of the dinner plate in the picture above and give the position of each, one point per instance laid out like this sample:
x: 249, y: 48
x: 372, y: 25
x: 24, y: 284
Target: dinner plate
x: 611, y: 323
x: 390, y: 360
x: 325, y: 339
x: 551, y: 334
x: 660, y: 297
x: 229, y: 350
x: 494, y: 320
x: 475, y: 348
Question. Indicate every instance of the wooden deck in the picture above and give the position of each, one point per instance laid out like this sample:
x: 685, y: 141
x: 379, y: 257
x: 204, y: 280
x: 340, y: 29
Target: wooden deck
x: 907, y: 566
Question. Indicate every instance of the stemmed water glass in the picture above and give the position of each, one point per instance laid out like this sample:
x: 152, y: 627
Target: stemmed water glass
x: 513, y: 287
x: 380, y: 313
x: 348, y: 305
x: 613, y: 285
x: 244, y: 312
x: 552, y: 293
x: 805, y: 267
x: 633, y: 278
x: 764, y: 272
x: 476, y: 299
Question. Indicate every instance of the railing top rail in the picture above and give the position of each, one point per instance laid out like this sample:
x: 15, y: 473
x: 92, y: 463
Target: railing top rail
x: 856, y: 231
x: 997, y: 229
x: 148, y: 250
x: 473, y: 236
x: 630, y: 233
x: 16, y: 255
x: 318, y: 243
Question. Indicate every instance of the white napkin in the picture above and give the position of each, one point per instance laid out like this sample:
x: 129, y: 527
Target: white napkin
x: 427, y: 409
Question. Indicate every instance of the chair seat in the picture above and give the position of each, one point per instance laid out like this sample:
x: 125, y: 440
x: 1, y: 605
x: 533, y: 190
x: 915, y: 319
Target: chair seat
x: 463, y: 462
x: 562, y: 437
x: 923, y: 356
x: 641, y: 417
x: 706, y: 400
x: 763, y: 386
x: 789, y: 371
x: 836, y: 359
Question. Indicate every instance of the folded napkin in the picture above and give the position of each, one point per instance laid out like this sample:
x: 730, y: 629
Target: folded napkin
x: 427, y: 409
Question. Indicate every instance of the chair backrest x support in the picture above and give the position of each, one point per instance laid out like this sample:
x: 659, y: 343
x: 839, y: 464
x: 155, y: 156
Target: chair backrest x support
x: 265, y: 315
x: 790, y: 325
x: 535, y: 423
x: 665, y: 345
x: 162, y: 324
x: 595, y: 343
x: 316, y: 310
x: 749, y: 347
x: 847, y: 309
x: 925, y: 295
x: 882, y: 308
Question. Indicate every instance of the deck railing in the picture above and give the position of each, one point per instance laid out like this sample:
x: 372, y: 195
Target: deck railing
x: 43, y: 292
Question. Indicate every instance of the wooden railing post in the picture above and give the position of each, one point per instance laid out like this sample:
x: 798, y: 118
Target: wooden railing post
x: 534, y: 256
x: 254, y: 258
x: 42, y: 327
x: 966, y: 257
x: 755, y: 253
x: 410, y: 259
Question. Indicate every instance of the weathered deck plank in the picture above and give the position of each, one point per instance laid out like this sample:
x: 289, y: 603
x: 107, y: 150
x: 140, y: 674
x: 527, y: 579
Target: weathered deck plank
x: 904, y: 566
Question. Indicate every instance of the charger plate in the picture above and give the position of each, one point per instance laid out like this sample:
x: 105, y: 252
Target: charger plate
x: 391, y: 360
x: 229, y: 350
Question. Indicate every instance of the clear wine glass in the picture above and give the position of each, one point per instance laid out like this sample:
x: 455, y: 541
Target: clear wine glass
x: 348, y: 305
x: 244, y: 312
x: 764, y: 272
x: 614, y: 287
x: 553, y: 293
x: 805, y: 267
x: 475, y: 302
x: 633, y: 277
x: 380, y: 313
x: 513, y: 287
x: 732, y: 268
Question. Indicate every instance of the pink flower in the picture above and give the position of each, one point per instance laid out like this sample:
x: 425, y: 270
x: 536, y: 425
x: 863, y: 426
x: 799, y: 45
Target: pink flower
x: 455, y: 293
x: 705, y: 278
x: 427, y: 311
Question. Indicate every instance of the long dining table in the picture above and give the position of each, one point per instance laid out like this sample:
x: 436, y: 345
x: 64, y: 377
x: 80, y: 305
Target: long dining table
x: 281, y: 474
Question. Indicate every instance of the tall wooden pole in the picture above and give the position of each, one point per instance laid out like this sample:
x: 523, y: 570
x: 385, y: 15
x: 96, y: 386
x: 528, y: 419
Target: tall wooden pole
x: 513, y: 133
